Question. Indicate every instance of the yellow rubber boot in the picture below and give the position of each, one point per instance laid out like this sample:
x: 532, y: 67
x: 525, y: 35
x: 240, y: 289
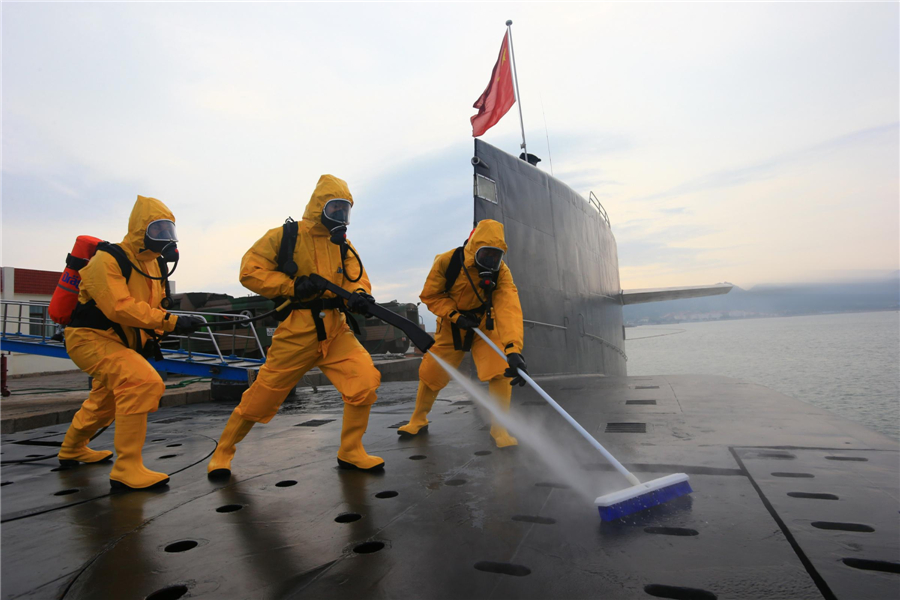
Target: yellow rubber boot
x: 352, y: 455
x: 129, y: 471
x: 74, y: 448
x: 501, y: 392
x: 418, y: 422
x: 219, y: 466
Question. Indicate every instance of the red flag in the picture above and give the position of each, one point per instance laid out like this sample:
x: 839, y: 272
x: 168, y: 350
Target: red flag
x: 498, y: 97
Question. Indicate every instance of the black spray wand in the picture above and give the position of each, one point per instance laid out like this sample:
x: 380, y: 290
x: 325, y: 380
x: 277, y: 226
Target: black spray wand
x: 416, y: 334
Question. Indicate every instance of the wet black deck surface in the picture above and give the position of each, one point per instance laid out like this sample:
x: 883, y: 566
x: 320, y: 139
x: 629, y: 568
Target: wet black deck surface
x: 789, y: 502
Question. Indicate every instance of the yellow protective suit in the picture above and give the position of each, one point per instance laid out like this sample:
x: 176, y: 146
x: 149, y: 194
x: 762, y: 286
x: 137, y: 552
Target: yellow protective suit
x: 295, y: 345
x: 125, y: 386
x: 507, y: 332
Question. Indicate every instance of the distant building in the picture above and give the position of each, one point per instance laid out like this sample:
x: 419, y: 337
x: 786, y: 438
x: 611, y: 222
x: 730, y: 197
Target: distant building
x: 18, y: 286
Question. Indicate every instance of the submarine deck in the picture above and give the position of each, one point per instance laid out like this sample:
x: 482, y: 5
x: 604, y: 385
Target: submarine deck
x: 790, y: 501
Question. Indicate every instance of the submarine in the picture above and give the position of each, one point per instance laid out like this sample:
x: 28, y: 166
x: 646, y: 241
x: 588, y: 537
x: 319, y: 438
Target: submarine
x: 790, y: 501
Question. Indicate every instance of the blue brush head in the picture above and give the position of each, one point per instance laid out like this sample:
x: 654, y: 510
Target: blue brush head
x: 645, y: 501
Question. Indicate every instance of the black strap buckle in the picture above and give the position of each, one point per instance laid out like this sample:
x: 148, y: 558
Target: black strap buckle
x: 152, y: 350
x: 316, y: 307
x: 320, y: 325
x: 460, y: 342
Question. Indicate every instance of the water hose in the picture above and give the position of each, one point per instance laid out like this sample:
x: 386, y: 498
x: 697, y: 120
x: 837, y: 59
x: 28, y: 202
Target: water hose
x: 39, y: 391
x: 39, y: 458
x: 248, y: 320
x: 587, y: 436
x: 180, y: 384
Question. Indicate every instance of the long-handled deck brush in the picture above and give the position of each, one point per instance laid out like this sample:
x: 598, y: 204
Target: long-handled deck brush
x: 639, y: 496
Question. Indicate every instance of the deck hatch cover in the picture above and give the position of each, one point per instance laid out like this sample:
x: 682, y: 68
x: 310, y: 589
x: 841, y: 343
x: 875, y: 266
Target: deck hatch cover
x: 646, y: 387
x: 314, y: 423
x: 642, y: 402
x: 626, y: 428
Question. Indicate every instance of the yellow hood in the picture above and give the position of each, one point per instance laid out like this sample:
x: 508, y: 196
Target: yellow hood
x: 328, y: 188
x: 487, y: 233
x: 145, y: 211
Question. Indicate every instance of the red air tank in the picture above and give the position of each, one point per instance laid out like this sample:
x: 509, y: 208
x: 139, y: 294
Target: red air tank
x: 65, y: 297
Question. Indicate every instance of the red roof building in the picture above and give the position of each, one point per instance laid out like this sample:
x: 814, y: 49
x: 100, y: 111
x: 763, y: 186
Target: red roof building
x: 28, y: 282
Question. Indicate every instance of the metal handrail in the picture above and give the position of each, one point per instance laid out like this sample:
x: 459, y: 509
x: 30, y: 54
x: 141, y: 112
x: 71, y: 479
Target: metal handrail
x: 237, y: 323
x: 605, y: 343
x: 592, y: 198
x: 545, y: 324
x: 43, y: 322
x: 12, y: 325
x: 584, y: 333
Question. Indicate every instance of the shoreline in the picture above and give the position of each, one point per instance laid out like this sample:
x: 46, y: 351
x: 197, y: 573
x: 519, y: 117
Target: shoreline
x: 817, y: 314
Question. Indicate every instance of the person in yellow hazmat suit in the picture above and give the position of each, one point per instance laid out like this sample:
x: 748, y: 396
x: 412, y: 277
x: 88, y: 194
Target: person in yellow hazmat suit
x: 113, y: 326
x: 315, y: 332
x: 483, y: 295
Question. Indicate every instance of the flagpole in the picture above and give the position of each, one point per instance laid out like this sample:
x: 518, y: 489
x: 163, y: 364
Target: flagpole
x: 516, y: 76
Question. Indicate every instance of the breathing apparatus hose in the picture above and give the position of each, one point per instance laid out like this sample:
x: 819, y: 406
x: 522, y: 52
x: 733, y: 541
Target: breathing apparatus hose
x: 147, y: 275
x: 358, y: 260
x: 487, y: 301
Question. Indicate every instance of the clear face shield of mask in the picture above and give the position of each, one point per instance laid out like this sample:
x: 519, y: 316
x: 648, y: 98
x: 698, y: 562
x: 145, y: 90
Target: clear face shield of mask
x: 489, y: 258
x: 336, y: 217
x: 161, y: 238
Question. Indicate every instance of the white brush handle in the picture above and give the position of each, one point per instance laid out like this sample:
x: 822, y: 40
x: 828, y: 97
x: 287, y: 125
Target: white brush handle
x: 612, y: 459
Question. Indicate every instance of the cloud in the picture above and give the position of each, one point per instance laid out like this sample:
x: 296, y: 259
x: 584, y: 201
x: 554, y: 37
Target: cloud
x: 772, y: 167
x: 674, y: 210
x: 230, y: 112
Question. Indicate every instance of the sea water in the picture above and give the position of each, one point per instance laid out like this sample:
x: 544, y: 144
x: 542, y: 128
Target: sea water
x: 846, y: 363
x: 554, y: 448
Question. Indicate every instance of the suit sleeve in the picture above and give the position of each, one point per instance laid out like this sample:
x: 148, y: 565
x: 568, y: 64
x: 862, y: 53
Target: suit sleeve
x: 434, y: 295
x: 508, y: 313
x: 103, y: 280
x: 258, y: 268
x: 352, y: 268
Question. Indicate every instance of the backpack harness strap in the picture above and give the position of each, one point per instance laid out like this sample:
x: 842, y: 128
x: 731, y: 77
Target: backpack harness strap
x: 286, y: 262
x: 89, y: 314
x: 461, y: 342
x: 316, y: 307
x: 453, y: 268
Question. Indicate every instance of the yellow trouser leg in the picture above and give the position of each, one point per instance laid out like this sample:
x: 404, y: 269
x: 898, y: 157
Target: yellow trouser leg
x: 220, y: 464
x: 129, y: 470
x: 501, y: 392
x: 418, y: 422
x: 352, y: 455
x: 75, y: 445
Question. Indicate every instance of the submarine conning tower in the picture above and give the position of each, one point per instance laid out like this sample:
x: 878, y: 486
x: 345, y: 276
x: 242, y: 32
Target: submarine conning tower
x: 564, y: 260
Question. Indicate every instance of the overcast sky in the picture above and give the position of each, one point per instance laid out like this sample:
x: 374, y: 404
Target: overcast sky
x: 751, y: 143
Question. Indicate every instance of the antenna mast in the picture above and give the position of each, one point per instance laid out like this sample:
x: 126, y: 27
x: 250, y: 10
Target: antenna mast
x: 516, y: 77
